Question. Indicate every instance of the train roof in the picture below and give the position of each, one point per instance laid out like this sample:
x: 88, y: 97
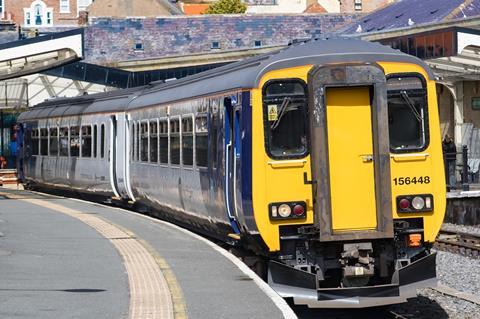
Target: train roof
x: 245, y: 74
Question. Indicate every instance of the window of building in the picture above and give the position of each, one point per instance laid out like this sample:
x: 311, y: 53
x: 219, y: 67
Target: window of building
x: 201, y: 140
x: 187, y: 141
x: 153, y: 141
x: 102, y: 141
x: 38, y: 15
x: 43, y: 141
x: 258, y: 43
x: 86, y: 141
x: 35, y: 142
x: 64, y: 6
x: 407, y: 113
x: 63, y: 141
x: 53, y: 142
x: 285, y: 118
x: 475, y: 103
x: 163, y: 134
x: 74, y: 141
x: 144, y: 141
x: 95, y: 142
x: 1, y: 8
x: 215, y: 45
x: 358, y: 5
x: 175, y: 141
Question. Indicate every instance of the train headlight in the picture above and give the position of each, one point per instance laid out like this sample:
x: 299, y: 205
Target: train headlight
x: 288, y: 210
x: 418, y: 203
x: 414, y: 203
x: 284, y: 210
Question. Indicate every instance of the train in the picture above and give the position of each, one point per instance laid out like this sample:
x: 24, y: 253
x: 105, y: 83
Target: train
x: 323, y: 159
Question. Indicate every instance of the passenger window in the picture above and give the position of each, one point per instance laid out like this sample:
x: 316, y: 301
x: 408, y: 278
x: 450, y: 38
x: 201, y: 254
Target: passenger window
x: 95, y: 142
x: 153, y: 141
x: 132, y: 142
x: 215, y: 127
x: 137, y: 150
x: 86, y: 141
x: 187, y: 141
x: 74, y: 141
x: 63, y: 141
x: 54, y: 142
x: 175, y: 141
x: 163, y: 132
x: 286, y: 122
x: 144, y: 142
x: 35, y: 142
x: 43, y: 141
x: 102, y: 141
x: 201, y: 140
x: 407, y: 113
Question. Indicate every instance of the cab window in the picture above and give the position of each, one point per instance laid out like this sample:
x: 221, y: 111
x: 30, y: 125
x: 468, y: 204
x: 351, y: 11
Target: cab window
x: 285, y: 118
x: 407, y: 113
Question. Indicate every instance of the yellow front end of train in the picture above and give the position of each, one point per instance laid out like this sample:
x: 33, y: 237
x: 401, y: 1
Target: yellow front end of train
x: 395, y: 210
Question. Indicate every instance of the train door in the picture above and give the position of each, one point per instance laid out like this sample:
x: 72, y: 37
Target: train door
x: 232, y: 158
x: 350, y: 152
x: 118, y: 155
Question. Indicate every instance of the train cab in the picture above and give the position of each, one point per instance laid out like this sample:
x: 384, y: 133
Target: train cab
x: 348, y: 183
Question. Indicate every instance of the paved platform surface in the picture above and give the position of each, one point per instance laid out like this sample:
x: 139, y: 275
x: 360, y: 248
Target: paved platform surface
x: 64, y: 258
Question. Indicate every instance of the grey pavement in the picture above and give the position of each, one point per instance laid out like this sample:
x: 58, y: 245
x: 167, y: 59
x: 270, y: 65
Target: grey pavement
x: 213, y: 287
x: 54, y: 266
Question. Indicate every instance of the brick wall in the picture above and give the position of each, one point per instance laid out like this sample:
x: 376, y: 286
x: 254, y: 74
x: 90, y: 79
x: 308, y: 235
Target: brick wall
x: 110, y: 40
x: 14, y: 10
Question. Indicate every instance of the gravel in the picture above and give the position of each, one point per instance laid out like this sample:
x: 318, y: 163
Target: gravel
x: 465, y: 229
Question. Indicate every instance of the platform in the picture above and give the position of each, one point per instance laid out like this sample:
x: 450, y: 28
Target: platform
x: 64, y: 258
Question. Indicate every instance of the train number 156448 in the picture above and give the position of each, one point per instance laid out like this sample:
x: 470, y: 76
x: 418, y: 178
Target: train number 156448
x: 411, y: 180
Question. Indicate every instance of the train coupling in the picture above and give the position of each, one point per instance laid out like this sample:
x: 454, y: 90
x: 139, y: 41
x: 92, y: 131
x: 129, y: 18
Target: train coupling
x: 357, y: 263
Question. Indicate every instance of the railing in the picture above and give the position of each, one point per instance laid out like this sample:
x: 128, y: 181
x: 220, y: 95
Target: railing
x: 460, y: 170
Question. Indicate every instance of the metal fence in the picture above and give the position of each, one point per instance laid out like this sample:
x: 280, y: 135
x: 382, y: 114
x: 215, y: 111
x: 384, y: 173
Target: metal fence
x: 461, y: 170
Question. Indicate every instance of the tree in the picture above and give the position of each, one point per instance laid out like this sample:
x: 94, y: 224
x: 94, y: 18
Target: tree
x: 227, y: 7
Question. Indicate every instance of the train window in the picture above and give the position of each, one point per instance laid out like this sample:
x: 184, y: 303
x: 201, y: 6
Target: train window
x: 137, y: 150
x: 54, y: 142
x: 132, y: 142
x: 163, y: 132
x: 215, y: 127
x: 74, y: 141
x: 35, y: 141
x: 407, y: 113
x: 63, y: 141
x: 43, y: 141
x: 144, y: 141
x: 86, y: 141
x: 95, y: 142
x: 187, y: 141
x: 153, y: 141
x: 201, y: 140
x: 285, y: 114
x: 102, y: 141
x: 175, y: 141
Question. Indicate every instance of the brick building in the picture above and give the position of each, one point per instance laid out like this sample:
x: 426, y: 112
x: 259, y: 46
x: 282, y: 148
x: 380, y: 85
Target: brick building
x: 43, y: 13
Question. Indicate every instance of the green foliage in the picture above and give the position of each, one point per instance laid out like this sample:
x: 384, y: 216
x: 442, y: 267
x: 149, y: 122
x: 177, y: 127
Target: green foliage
x: 227, y: 7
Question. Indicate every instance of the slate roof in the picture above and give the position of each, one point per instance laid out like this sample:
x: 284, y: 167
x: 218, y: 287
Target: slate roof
x: 471, y: 9
x: 398, y: 14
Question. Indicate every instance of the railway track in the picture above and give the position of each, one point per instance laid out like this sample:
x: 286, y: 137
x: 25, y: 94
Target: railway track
x: 459, y: 243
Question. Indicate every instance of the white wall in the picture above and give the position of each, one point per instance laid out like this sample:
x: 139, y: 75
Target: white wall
x: 294, y: 6
x: 283, y: 6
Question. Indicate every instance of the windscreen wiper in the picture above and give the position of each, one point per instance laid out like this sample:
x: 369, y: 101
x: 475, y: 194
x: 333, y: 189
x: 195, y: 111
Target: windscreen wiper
x: 410, y: 104
x: 283, y: 107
